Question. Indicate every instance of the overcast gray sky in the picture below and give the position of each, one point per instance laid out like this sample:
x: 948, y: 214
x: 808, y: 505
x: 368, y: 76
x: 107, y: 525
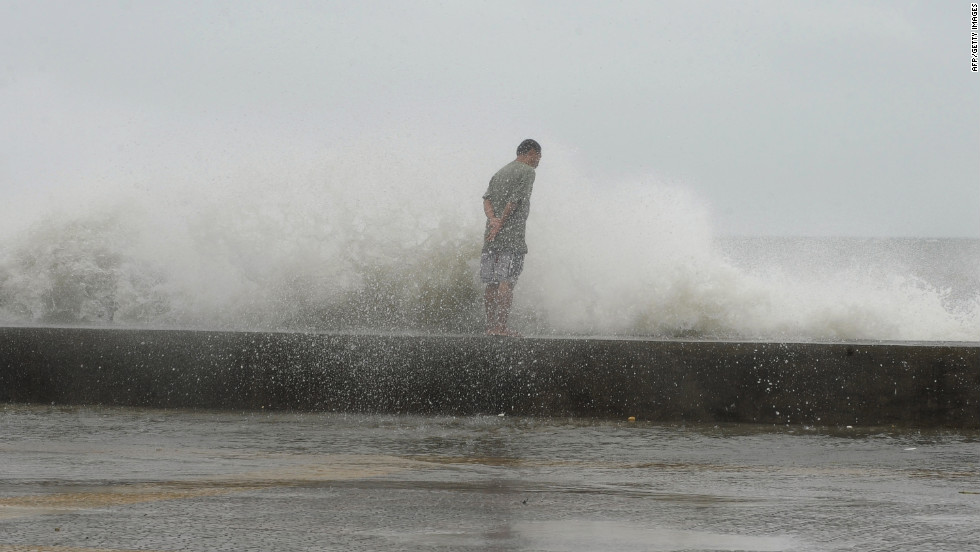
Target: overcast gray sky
x: 788, y: 118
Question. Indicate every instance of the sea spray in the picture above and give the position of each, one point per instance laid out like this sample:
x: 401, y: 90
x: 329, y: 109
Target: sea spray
x: 385, y: 237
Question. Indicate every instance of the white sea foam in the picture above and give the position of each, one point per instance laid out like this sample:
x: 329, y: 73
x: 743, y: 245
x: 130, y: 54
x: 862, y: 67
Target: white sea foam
x: 384, y: 235
x: 655, y: 268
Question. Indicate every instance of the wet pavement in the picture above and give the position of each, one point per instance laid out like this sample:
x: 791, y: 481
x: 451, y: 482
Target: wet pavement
x: 94, y: 479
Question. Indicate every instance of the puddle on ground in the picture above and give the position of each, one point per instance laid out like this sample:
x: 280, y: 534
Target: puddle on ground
x: 587, y: 535
x: 133, y: 479
x: 591, y: 535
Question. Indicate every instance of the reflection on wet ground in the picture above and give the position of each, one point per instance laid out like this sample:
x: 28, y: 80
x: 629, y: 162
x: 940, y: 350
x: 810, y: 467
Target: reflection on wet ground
x: 93, y: 479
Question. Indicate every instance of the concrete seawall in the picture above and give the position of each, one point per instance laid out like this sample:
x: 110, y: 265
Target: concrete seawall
x: 924, y: 385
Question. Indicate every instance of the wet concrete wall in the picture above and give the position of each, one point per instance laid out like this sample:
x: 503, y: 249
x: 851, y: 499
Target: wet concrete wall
x: 927, y: 385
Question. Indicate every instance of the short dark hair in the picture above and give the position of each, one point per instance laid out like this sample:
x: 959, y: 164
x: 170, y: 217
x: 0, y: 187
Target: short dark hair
x: 527, y: 146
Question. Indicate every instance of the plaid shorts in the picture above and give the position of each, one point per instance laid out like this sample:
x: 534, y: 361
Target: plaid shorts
x: 500, y: 266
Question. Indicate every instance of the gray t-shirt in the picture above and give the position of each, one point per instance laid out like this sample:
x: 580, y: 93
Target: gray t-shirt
x: 511, y: 184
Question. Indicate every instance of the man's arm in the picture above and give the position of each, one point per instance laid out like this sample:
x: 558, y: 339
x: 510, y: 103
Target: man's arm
x: 496, y: 223
x: 488, y: 209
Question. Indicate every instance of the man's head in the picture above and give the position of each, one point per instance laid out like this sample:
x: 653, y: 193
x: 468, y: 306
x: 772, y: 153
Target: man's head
x: 529, y: 152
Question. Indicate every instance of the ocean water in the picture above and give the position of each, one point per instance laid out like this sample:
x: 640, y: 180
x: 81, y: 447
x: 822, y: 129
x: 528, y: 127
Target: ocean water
x: 329, y: 242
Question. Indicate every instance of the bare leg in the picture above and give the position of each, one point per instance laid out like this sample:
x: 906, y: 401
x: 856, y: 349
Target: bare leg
x: 490, y: 300
x: 505, y: 297
x: 499, y: 298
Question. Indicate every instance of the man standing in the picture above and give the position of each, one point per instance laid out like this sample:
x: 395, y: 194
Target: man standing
x: 506, y: 204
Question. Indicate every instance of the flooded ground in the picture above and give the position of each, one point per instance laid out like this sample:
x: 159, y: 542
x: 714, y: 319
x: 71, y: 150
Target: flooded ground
x: 94, y: 479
